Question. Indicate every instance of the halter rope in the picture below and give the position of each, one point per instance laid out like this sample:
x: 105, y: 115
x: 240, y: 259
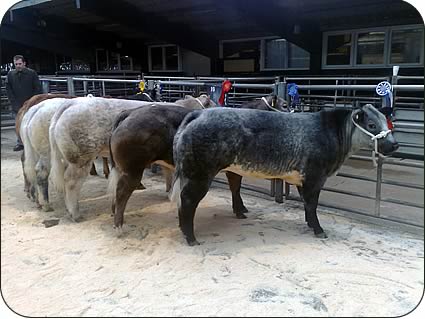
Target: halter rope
x: 199, y: 101
x: 269, y: 106
x: 374, y: 138
x: 151, y: 99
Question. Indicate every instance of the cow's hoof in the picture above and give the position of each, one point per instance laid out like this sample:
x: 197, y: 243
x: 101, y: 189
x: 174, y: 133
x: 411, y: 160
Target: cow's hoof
x: 119, y: 231
x: 47, y: 208
x: 240, y: 216
x: 141, y: 186
x: 321, y: 235
x: 244, y: 210
x: 193, y: 242
x: 76, y: 219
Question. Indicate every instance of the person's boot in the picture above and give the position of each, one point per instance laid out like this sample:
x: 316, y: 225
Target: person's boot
x: 18, y: 147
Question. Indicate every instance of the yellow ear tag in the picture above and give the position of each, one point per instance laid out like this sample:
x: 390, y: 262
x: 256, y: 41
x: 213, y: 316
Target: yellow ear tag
x: 142, y: 86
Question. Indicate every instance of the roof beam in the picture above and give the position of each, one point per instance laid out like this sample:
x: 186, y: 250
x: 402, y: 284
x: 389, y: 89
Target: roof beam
x: 133, y: 17
x: 281, y: 22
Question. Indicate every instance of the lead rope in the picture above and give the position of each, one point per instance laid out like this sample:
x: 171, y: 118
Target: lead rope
x: 269, y: 106
x: 199, y: 101
x: 374, y: 138
x: 144, y: 93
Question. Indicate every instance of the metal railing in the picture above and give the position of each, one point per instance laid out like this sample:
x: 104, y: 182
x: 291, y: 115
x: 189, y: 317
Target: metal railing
x: 314, y: 92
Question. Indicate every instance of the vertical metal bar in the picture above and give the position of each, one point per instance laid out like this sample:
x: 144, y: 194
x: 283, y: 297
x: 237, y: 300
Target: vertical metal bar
x: 287, y: 190
x: 378, y: 187
x: 272, y: 187
x: 278, y: 197
x: 103, y: 88
x: 85, y: 88
x: 46, y: 86
x: 394, y: 80
x: 70, y: 86
x: 336, y: 94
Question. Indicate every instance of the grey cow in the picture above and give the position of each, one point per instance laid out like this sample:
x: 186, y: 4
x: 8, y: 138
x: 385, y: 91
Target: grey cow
x: 303, y: 149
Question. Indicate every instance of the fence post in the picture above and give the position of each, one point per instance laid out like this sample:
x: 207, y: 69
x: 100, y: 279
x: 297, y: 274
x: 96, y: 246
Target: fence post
x: 70, y: 85
x: 394, y: 80
x: 378, y: 187
x: 279, y: 183
x: 45, y: 86
x: 85, y: 88
x: 103, y: 88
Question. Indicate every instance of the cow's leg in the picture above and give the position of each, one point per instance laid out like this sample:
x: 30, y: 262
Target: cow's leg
x: 235, y: 182
x: 310, y: 197
x: 74, y: 178
x: 42, y: 174
x: 27, y: 185
x: 93, y: 170
x: 126, y: 184
x: 300, y: 191
x: 168, y: 175
x: 105, y: 167
x: 192, y: 192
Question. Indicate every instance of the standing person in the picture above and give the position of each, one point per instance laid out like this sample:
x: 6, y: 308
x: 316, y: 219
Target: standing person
x: 21, y: 84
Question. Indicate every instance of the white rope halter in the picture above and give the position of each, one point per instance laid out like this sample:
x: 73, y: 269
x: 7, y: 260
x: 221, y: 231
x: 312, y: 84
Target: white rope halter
x: 374, y: 138
x: 269, y: 106
x: 149, y: 97
x: 199, y: 101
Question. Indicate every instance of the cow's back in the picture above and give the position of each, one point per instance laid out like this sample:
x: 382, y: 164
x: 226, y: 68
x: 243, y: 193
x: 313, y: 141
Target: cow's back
x: 258, y: 140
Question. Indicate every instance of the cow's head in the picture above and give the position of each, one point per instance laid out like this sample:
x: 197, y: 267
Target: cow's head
x: 203, y: 100
x: 277, y: 102
x: 373, y: 126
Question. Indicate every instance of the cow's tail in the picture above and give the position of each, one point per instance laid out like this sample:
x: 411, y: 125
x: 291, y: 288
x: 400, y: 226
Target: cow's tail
x: 58, y: 162
x: 115, y: 173
x: 30, y: 157
x: 174, y: 194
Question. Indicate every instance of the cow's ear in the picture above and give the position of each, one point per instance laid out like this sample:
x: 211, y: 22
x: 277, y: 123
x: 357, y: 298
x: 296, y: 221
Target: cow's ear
x: 359, y: 116
x: 274, y: 100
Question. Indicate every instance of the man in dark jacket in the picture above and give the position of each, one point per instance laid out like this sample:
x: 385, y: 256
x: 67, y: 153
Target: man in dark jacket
x: 22, y: 83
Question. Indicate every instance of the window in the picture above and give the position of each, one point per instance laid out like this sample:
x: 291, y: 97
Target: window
x: 275, y: 54
x: 380, y: 47
x: 339, y: 49
x: 126, y: 63
x: 171, y: 58
x: 279, y: 54
x: 370, y: 48
x: 243, y: 49
x: 406, y: 46
x: 101, y: 60
x: 164, y: 58
x: 111, y: 61
x: 298, y: 58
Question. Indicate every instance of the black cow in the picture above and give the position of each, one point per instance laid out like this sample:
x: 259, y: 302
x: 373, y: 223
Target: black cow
x: 301, y: 148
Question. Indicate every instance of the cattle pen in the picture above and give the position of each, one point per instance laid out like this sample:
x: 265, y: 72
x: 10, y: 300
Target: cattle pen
x: 266, y: 265
x: 383, y: 192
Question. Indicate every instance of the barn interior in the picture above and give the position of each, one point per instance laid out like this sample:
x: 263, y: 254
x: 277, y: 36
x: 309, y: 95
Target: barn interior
x: 211, y: 38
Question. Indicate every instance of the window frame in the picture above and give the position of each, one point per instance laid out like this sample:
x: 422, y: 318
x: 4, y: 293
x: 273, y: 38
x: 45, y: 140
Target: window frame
x: 107, y: 62
x: 164, y: 64
x: 262, y: 61
x: 354, y: 47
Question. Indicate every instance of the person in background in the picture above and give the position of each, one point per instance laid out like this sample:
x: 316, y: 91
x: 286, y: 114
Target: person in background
x: 21, y: 84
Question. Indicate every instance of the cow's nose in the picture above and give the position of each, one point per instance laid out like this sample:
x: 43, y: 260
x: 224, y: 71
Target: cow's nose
x: 395, y: 146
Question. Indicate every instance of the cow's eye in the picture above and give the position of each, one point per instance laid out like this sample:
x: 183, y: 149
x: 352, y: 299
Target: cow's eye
x: 371, y: 126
